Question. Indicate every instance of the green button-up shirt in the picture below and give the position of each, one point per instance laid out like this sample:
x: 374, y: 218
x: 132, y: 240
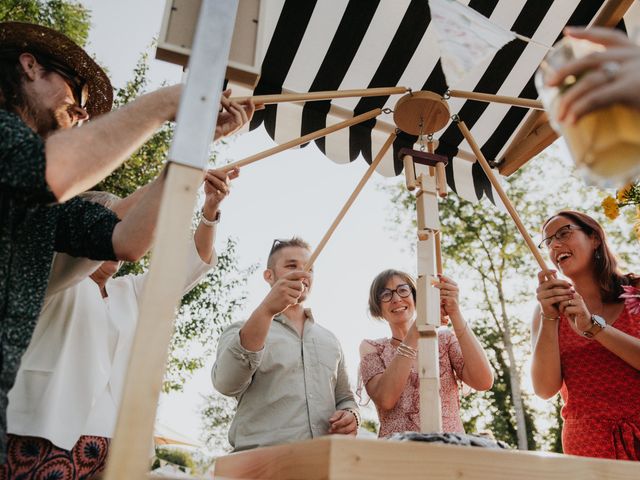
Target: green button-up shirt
x: 288, y: 390
x: 32, y: 226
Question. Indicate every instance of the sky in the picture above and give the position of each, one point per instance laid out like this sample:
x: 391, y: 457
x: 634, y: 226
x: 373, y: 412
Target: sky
x: 297, y: 192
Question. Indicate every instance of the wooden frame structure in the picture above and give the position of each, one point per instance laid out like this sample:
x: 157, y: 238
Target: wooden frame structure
x: 329, y: 457
x: 346, y: 458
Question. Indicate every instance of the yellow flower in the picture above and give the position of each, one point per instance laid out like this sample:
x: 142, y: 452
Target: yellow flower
x: 623, y: 194
x: 610, y: 207
x: 636, y: 225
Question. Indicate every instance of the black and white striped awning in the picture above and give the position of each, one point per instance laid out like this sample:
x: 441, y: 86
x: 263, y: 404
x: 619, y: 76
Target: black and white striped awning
x: 351, y: 44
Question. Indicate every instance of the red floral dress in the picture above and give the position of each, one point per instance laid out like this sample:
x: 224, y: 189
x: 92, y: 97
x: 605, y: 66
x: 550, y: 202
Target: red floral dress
x: 405, y: 416
x: 601, y: 394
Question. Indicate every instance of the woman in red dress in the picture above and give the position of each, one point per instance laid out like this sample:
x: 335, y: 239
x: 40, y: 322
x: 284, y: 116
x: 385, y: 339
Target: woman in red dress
x: 586, y: 340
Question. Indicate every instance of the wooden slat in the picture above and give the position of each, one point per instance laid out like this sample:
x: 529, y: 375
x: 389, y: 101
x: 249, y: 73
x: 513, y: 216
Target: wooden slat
x: 129, y: 450
x: 346, y: 458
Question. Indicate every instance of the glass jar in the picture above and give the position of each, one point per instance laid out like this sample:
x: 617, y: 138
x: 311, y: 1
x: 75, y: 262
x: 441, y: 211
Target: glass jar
x: 605, y: 144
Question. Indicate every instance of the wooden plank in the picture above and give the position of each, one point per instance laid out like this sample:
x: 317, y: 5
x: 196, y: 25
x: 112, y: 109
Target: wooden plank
x: 487, y: 97
x: 346, y: 458
x: 129, y: 450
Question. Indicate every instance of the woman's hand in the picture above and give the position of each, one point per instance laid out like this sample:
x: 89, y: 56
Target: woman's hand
x: 576, y: 310
x: 551, y: 292
x: 449, y: 298
x: 216, y: 189
x: 605, y: 78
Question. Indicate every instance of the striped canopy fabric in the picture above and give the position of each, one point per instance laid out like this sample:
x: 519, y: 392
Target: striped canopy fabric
x: 353, y: 44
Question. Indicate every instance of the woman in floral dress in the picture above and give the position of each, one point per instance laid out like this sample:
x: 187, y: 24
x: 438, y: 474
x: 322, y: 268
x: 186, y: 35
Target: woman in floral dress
x: 586, y: 340
x: 388, y: 366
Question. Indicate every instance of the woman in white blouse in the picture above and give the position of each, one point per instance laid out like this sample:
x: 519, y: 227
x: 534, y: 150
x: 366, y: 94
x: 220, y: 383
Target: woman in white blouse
x: 64, y: 404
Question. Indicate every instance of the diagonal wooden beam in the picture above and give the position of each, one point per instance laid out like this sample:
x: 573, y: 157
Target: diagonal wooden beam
x: 352, y: 198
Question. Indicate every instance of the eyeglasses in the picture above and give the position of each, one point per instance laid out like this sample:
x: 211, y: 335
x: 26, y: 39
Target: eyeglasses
x: 562, y: 235
x: 78, y: 86
x: 403, y: 291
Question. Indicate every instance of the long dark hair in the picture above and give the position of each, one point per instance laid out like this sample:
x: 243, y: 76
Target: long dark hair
x: 610, y: 278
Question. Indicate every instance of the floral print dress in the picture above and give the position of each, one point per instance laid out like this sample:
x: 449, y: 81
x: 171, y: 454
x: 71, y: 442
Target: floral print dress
x: 405, y: 415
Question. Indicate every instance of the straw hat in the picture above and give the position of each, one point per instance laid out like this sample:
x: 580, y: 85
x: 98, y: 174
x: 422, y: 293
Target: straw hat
x: 28, y: 37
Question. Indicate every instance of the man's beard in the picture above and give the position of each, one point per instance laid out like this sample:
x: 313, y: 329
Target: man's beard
x: 47, y: 120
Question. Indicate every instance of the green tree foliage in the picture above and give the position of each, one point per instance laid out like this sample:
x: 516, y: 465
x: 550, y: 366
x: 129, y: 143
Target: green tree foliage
x: 485, y: 253
x: 70, y: 18
x: 177, y: 457
x: 217, y: 414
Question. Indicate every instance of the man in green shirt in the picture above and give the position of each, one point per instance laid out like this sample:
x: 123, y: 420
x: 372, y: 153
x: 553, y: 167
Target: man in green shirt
x: 287, y: 372
x: 47, y: 86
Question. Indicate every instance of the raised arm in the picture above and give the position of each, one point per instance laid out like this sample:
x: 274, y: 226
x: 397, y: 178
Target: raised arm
x: 79, y: 158
x: 283, y: 294
x: 546, y: 374
x: 476, y: 371
x: 619, y: 343
x: 385, y: 388
x: 216, y: 189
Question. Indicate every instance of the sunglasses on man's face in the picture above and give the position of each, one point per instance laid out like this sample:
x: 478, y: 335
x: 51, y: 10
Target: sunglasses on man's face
x: 79, y: 88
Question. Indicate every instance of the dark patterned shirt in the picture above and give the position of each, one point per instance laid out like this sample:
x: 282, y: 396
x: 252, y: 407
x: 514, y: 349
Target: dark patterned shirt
x: 32, y: 226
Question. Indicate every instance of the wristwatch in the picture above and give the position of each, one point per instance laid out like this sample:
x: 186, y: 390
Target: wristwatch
x: 599, y: 324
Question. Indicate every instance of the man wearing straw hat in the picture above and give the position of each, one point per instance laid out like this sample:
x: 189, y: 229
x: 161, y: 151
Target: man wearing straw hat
x: 47, y: 85
x: 287, y: 372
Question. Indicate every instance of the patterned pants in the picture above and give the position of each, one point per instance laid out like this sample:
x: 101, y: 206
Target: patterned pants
x: 32, y: 458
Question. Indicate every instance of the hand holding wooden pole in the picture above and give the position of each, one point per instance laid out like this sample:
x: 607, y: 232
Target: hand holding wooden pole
x: 304, y: 139
x: 350, y: 201
x: 503, y: 196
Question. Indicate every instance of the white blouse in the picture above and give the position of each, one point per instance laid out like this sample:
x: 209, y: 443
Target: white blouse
x: 72, y: 374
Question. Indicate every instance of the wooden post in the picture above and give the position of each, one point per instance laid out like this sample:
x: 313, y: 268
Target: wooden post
x: 196, y: 119
x: 325, y: 95
x: 367, y: 175
x: 428, y: 306
x: 486, y: 97
x: 503, y: 196
x: 304, y: 139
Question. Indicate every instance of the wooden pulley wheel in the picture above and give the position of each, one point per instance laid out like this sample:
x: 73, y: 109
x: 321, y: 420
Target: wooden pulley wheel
x: 421, y: 113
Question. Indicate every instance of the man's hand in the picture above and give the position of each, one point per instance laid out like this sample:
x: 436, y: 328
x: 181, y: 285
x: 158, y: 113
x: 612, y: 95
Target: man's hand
x: 343, y: 422
x: 232, y: 115
x: 285, y: 292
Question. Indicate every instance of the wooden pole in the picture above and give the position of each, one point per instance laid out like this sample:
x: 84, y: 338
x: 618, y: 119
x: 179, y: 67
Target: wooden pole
x: 129, y: 451
x: 352, y: 198
x: 503, y: 196
x: 306, y: 138
x: 324, y: 95
x: 487, y: 97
